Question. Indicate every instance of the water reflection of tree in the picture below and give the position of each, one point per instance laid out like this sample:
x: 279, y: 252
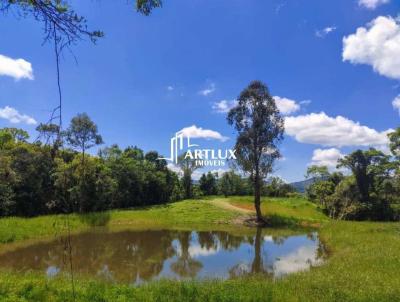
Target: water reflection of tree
x: 124, y: 257
x: 208, y: 240
x: 140, y: 256
x: 257, y: 266
x: 186, y: 266
x: 219, y: 239
x: 231, y: 242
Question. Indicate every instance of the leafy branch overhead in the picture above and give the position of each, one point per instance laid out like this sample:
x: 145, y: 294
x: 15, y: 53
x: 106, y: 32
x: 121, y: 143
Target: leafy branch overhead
x: 61, y: 21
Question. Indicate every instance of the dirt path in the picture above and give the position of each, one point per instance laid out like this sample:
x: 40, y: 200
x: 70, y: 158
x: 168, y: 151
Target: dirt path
x: 227, y: 206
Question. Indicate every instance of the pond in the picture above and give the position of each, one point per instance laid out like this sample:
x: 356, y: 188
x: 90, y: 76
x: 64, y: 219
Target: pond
x: 139, y: 256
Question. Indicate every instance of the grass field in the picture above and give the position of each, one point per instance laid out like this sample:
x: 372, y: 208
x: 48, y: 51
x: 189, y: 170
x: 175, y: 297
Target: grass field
x: 363, y: 264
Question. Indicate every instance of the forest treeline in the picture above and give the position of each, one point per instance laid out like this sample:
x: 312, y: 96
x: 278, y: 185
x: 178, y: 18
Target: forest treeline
x: 43, y: 177
x: 366, y: 185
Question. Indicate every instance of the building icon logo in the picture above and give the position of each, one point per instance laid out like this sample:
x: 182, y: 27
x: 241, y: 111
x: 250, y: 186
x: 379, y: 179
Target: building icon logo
x: 182, y: 149
x: 177, y: 145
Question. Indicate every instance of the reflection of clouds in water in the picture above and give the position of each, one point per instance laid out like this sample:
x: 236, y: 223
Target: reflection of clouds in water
x: 268, y: 239
x: 299, y: 260
x: 195, y: 250
x: 137, y: 257
x: 52, y: 271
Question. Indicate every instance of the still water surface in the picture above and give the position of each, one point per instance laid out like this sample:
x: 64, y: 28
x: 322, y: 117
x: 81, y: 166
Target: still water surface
x: 140, y: 256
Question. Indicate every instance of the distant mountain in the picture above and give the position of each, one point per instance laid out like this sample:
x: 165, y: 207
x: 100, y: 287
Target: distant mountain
x: 301, y: 186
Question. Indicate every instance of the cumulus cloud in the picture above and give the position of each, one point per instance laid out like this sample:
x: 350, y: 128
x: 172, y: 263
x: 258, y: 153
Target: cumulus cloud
x: 286, y: 106
x: 377, y: 44
x: 396, y: 103
x: 322, y: 33
x: 224, y: 106
x: 372, y: 4
x: 14, y: 117
x: 198, y: 132
x: 210, y: 89
x: 339, y: 131
x: 326, y: 157
x: 15, y: 68
x: 170, y: 88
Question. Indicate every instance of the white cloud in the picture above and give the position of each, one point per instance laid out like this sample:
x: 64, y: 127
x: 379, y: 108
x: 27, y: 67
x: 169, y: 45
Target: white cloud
x: 198, y: 132
x: 305, y: 102
x: 210, y: 89
x: 286, y: 106
x: 396, y: 103
x: 15, y: 68
x: 223, y: 106
x: 170, y: 88
x: 326, y: 157
x: 322, y: 33
x: 13, y: 116
x: 372, y: 4
x: 320, y: 129
x: 377, y: 44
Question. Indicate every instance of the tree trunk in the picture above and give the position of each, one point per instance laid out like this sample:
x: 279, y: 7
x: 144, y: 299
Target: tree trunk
x: 257, y: 197
x: 83, y: 158
x: 83, y: 201
x: 257, y: 265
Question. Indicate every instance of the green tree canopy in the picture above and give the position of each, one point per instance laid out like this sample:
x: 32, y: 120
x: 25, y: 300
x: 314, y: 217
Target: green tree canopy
x: 83, y: 133
x: 364, y: 165
x: 260, y: 128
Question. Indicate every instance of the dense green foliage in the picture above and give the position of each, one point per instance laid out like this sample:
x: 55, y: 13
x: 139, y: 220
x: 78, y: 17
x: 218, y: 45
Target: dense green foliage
x: 208, y: 183
x: 276, y: 187
x: 231, y: 184
x: 37, y: 178
x: 370, y: 191
x: 187, y: 166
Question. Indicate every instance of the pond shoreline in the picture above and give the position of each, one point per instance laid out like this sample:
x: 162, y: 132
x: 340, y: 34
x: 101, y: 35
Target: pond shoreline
x: 361, y: 255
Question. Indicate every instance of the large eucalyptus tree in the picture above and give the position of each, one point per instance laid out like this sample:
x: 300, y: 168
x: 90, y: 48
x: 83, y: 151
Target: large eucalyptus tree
x: 260, y: 129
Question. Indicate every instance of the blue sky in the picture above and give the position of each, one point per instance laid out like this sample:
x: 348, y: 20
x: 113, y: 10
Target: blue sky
x: 152, y: 76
